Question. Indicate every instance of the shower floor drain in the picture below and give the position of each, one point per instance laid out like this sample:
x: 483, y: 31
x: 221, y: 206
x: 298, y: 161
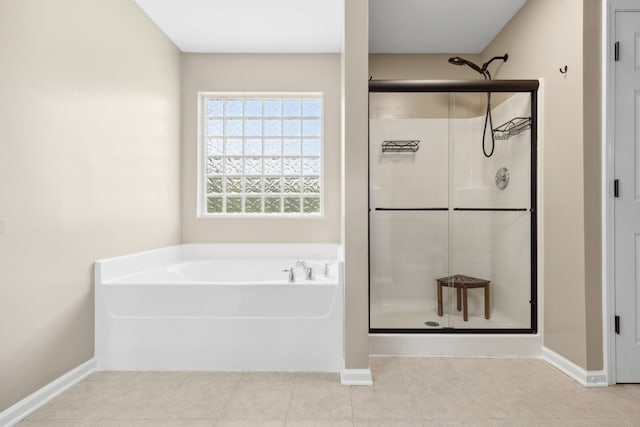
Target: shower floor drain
x: 431, y: 323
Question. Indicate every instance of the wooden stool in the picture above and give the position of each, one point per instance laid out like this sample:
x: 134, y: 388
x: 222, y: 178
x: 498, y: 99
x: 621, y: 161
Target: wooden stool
x: 462, y: 283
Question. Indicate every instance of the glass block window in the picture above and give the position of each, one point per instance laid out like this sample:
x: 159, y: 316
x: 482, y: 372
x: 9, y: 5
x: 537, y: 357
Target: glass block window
x: 261, y: 154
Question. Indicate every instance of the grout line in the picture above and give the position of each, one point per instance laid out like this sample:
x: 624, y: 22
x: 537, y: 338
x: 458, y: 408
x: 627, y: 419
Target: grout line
x: 414, y: 398
x: 353, y: 413
x: 291, y: 395
x: 226, y: 403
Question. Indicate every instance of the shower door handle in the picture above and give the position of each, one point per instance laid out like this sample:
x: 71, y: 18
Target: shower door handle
x: 616, y: 188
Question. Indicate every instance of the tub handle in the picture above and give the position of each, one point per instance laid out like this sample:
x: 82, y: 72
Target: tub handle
x: 326, y: 269
x: 292, y: 274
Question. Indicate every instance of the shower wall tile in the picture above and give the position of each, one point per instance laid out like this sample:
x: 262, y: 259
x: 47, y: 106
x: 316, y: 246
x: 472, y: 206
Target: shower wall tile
x: 409, y: 179
x: 474, y: 180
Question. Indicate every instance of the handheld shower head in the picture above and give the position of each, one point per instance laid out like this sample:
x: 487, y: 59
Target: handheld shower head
x: 456, y: 60
x: 484, y: 70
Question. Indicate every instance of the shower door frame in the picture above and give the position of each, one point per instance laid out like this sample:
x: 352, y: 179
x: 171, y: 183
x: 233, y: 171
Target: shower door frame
x: 469, y: 86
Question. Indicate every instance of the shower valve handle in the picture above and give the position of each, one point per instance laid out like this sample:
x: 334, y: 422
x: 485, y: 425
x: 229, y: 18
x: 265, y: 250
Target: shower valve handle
x: 292, y: 274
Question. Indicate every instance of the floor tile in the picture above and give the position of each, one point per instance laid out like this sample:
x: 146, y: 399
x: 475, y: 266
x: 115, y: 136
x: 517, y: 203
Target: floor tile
x: 429, y: 370
x: 269, y: 376
x: 320, y: 423
x: 138, y: 400
x: 100, y: 423
x: 579, y: 406
x: 172, y: 423
x: 388, y: 423
x: 259, y: 400
x: 407, y: 392
x: 112, y: 376
x: 76, y: 403
x: 217, y: 377
x: 482, y: 422
x: 525, y: 423
x: 250, y: 423
x: 386, y: 369
x: 171, y: 376
x: 593, y: 423
x: 510, y: 402
x: 316, y: 398
x: 633, y: 422
x: 382, y: 402
x: 47, y: 423
x: 197, y: 400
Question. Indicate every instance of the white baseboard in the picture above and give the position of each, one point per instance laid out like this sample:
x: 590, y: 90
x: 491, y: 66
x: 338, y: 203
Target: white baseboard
x: 356, y: 377
x: 582, y: 376
x: 35, y: 400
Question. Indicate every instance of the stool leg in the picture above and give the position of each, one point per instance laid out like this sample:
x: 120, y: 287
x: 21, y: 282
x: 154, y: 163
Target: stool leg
x: 487, y: 302
x: 465, y: 313
x: 439, y: 286
x: 458, y: 299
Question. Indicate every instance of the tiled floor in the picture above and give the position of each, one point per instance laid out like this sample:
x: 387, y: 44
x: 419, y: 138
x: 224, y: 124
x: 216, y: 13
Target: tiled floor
x: 407, y: 392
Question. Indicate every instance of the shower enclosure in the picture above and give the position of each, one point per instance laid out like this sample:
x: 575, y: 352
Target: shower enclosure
x: 452, y: 223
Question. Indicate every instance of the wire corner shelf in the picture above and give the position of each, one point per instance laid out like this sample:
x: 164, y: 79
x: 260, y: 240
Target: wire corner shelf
x: 401, y: 146
x: 513, y: 127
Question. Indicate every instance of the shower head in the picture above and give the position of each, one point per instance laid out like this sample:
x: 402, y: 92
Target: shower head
x: 456, y: 60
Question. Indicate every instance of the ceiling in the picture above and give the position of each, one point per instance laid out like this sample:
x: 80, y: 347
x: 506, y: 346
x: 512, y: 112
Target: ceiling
x: 251, y: 26
x: 311, y: 26
x: 437, y: 26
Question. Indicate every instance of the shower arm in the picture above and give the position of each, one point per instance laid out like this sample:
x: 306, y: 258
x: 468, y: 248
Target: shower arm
x: 485, y: 67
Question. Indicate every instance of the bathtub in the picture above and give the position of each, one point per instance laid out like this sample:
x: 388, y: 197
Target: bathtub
x: 220, y: 307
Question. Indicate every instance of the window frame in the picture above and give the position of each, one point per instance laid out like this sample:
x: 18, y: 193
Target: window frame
x: 202, y: 157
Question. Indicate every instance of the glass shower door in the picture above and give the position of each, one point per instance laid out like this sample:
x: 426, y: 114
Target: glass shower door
x: 408, y: 212
x: 490, y: 211
x: 452, y: 218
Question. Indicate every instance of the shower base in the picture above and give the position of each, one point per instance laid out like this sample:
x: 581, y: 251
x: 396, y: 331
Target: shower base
x: 414, y: 316
x: 404, y: 316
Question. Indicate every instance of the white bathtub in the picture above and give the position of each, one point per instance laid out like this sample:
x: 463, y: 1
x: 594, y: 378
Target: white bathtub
x: 220, y: 307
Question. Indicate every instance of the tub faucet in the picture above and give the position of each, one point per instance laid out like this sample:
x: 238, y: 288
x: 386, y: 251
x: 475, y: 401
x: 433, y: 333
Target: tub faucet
x: 308, y: 271
x: 292, y: 274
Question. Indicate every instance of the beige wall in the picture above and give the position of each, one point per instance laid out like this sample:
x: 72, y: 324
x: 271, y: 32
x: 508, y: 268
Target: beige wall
x: 355, y: 185
x: 89, y: 149
x: 272, y: 73
x: 592, y: 51
x: 571, y: 163
x: 418, y: 105
x: 420, y: 67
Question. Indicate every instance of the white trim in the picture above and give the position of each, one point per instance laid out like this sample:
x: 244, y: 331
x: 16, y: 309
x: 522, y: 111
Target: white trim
x: 471, y: 345
x: 35, y: 400
x: 356, y: 377
x: 540, y: 206
x: 582, y: 376
x: 608, y: 297
x: 608, y: 156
